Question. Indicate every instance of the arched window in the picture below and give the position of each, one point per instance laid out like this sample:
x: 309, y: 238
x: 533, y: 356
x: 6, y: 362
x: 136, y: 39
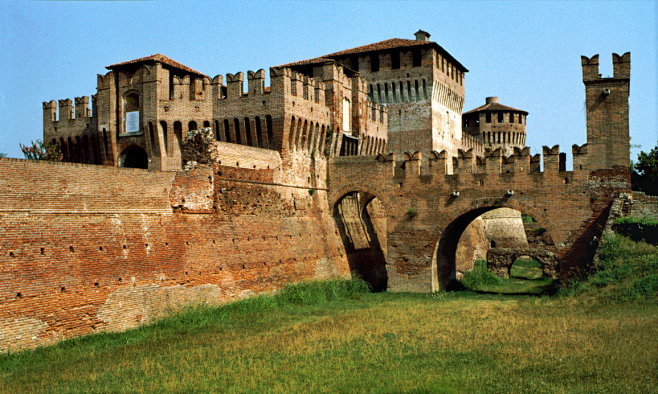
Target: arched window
x: 302, y: 144
x: 238, y: 135
x: 298, y: 134
x: 63, y: 148
x: 206, y: 124
x: 105, y: 143
x: 270, y: 133
x: 227, y: 131
x: 291, y: 134
x: 247, y: 131
x: 191, y: 125
x: 152, y: 138
x: 95, y: 149
x: 178, y: 133
x: 259, y: 133
x: 165, y: 137
x: 217, y: 133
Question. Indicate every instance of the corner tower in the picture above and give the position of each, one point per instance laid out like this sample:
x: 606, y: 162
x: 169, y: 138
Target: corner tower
x: 606, y: 102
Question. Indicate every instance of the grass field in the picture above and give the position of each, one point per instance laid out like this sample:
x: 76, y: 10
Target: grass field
x: 335, y: 336
x: 525, y: 278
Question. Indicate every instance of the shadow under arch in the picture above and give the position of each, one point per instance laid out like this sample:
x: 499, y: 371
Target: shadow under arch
x: 361, y: 221
x: 134, y: 157
x: 444, y: 259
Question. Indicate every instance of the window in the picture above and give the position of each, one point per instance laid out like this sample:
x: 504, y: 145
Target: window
x: 488, y: 117
x: 374, y: 62
x: 395, y: 60
x: 354, y: 61
x: 416, y: 58
x: 500, y: 117
x: 347, y: 115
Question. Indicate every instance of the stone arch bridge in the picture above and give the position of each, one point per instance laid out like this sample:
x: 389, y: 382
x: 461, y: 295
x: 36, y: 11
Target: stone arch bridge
x: 424, y: 210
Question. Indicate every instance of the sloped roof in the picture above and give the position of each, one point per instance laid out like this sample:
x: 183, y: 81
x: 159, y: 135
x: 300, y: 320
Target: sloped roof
x: 159, y: 58
x: 495, y: 107
x: 375, y: 47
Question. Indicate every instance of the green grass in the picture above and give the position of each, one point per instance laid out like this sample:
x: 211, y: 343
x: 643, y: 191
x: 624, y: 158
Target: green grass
x: 627, y: 271
x: 525, y: 278
x: 601, y: 335
x: 526, y: 268
x: 445, y: 342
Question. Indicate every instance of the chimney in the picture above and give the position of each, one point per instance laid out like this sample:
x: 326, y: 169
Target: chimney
x: 492, y: 100
x: 422, y: 35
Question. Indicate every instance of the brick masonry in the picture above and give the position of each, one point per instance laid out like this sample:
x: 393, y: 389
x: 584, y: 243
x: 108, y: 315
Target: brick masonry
x: 88, y: 248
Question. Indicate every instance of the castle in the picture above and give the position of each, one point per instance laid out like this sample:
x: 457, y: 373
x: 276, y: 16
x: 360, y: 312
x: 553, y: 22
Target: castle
x: 395, y: 95
x: 359, y: 162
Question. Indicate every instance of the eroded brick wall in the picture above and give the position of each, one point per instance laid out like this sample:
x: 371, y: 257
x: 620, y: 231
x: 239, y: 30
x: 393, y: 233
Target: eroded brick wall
x: 91, y: 248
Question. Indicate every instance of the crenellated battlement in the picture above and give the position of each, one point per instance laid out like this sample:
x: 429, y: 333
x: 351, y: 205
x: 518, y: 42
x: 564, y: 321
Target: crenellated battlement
x: 494, y: 162
x: 67, y: 110
x: 621, y: 66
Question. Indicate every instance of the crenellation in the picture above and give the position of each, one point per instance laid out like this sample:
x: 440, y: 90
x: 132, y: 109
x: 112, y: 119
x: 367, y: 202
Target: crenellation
x: 256, y: 82
x: 590, y: 68
x: 493, y: 161
x: 235, y: 85
x: 466, y: 161
x: 412, y: 163
x: 621, y: 66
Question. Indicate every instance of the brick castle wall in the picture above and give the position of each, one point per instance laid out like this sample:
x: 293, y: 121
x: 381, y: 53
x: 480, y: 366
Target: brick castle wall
x: 92, y: 248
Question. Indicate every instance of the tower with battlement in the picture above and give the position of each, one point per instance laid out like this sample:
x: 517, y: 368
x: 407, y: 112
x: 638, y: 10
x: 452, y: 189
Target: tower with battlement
x: 606, y: 102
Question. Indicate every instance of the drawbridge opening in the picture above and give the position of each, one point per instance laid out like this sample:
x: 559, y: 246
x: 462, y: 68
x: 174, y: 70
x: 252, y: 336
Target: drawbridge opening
x: 495, y: 249
x: 361, y: 222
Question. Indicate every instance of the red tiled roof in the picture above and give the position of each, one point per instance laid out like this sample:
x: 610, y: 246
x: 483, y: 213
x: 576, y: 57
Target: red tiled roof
x: 377, y: 46
x: 380, y: 46
x: 156, y: 58
x: 494, y: 107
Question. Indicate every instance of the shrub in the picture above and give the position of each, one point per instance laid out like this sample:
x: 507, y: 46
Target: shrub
x: 638, y: 228
x: 539, y: 231
x: 40, y: 150
x: 412, y: 213
x: 525, y: 218
x: 479, y: 276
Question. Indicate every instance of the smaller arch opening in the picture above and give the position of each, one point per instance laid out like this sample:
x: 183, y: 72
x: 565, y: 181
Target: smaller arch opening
x: 134, y: 157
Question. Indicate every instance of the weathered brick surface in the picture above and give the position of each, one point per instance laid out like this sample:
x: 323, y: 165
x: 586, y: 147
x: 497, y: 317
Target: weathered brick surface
x: 109, y: 248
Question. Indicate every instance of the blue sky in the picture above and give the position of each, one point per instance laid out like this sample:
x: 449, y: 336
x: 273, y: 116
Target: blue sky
x: 527, y: 53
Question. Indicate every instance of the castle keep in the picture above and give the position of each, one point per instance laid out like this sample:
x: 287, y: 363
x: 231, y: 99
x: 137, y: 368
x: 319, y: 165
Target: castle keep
x: 179, y: 189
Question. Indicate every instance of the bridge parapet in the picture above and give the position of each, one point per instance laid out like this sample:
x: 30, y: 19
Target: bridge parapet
x: 495, y: 162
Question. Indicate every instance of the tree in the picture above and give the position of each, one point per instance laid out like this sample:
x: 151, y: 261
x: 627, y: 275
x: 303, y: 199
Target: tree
x: 644, y: 172
x: 40, y: 150
x: 3, y: 154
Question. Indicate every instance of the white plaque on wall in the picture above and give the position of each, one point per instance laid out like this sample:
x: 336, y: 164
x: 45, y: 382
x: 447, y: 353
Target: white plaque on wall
x: 132, y: 122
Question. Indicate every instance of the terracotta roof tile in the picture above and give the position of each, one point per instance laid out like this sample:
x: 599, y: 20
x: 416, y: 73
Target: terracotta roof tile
x: 156, y: 58
x: 374, y: 47
x: 494, y: 107
x: 380, y: 46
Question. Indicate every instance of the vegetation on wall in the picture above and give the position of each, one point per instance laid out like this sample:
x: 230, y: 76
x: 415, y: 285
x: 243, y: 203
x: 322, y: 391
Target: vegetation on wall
x: 39, y: 150
x: 644, y: 172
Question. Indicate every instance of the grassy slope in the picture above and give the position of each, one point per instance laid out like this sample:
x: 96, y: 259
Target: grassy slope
x: 333, y: 337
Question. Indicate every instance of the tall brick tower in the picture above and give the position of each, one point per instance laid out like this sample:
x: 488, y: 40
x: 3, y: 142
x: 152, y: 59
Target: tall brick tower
x: 606, y: 101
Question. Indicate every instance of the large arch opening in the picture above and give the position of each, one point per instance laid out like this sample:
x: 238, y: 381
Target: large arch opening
x: 361, y: 221
x: 134, y: 157
x: 503, y: 246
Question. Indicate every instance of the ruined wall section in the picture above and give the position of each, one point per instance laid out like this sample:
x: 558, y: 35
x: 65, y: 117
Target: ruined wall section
x: 120, y: 247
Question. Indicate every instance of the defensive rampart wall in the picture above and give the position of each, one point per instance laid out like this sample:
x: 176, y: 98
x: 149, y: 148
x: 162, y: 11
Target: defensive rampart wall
x: 91, y: 248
